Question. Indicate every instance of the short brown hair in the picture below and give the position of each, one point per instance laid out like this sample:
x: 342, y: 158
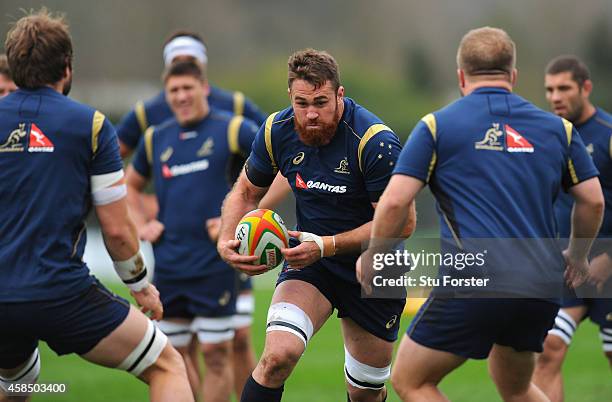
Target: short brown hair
x: 486, y: 51
x: 569, y: 63
x: 4, y: 68
x: 39, y: 49
x: 185, y: 67
x: 315, y: 67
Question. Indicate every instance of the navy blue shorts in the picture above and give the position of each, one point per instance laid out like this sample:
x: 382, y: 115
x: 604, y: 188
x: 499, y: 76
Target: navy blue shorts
x: 71, y: 325
x: 244, y: 282
x: 211, y: 296
x: 380, y: 317
x: 470, y: 327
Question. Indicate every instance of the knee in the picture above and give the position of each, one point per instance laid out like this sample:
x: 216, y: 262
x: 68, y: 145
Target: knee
x: 401, y: 385
x: 216, y: 356
x: 242, y: 341
x: 365, y: 395
x: 169, y: 361
x: 278, y: 364
x: 554, y: 352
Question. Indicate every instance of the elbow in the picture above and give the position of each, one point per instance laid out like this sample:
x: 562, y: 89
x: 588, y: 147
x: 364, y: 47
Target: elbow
x: 115, y: 232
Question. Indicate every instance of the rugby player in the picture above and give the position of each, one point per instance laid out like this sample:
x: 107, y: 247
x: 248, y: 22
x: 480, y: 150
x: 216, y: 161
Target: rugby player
x: 336, y: 155
x: 6, y: 82
x: 187, y: 45
x: 568, y: 87
x: 503, y: 187
x: 186, y: 157
x: 57, y: 157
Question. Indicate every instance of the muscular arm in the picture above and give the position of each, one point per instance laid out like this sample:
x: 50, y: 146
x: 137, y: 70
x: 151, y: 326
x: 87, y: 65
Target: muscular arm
x: 135, y: 185
x: 395, y: 215
x: 587, y: 215
x: 277, y: 192
x: 242, y: 199
x: 118, y: 230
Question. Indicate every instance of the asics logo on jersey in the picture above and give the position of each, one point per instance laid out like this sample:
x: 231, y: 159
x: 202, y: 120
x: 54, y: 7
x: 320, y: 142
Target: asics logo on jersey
x: 39, y: 141
x: 300, y: 183
x: 13, y: 142
x: 169, y: 172
x: 491, y: 139
x: 299, y: 158
x: 343, y: 167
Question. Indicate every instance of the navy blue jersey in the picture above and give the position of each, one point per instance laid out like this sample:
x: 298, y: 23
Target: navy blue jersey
x: 50, y: 146
x: 596, y: 133
x: 496, y: 164
x: 156, y: 110
x: 188, y: 166
x: 334, y: 185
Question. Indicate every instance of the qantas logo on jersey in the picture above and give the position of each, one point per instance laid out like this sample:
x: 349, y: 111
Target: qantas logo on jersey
x: 516, y: 142
x: 169, y: 172
x: 300, y: 183
x: 39, y: 141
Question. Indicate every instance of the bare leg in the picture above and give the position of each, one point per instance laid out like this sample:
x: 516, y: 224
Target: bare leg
x: 218, y: 376
x: 511, y: 371
x: 360, y: 345
x: 418, y: 370
x: 547, y: 374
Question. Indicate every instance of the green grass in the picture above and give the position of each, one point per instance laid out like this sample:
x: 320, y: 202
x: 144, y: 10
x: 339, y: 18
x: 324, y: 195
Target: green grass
x: 319, y: 375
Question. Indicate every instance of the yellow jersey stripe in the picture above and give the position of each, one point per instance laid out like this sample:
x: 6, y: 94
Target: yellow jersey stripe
x: 430, y: 120
x: 268, y: 138
x: 238, y: 103
x: 148, y: 139
x: 96, y: 127
x: 610, y: 146
x: 432, y: 164
x: 141, y: 116
x: 233, y: 131
x: 569, y: 128
x: 572, y: 171
x: 370, y: 132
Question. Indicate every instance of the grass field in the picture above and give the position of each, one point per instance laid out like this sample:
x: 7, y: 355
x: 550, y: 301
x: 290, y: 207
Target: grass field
x: 319, y: 375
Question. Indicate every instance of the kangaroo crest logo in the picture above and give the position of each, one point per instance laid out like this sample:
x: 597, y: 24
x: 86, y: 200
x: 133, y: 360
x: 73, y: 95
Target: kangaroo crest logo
x: 207, y: 148
x: 491, y: 140
x: 14, y: 142
x: 343, y: 167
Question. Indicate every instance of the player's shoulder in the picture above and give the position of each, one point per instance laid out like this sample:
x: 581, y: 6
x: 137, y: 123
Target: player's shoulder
x: 280, y: 123
x: 363, y: 124
x: 603, y: 118
x: 217, y: 93
x: 154, y: 101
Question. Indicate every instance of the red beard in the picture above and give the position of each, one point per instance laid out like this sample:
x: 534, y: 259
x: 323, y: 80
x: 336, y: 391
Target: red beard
x: 317, y: 137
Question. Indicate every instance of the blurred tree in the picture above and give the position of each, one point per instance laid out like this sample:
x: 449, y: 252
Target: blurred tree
x: 418, y: 68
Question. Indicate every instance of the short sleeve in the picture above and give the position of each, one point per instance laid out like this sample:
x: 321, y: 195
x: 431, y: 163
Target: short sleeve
x: 378, y: 158
x: 105, y: 147
x: 579, y: 166
x: 418, y: 157
x: 261, y: 167
x: 246, y: 136
x: 140, y: 160
x: 128, y: 130
x: 252, y: 112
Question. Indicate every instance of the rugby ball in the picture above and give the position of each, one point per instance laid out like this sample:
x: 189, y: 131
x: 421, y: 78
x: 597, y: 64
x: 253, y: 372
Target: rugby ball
x: 262, y: 233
